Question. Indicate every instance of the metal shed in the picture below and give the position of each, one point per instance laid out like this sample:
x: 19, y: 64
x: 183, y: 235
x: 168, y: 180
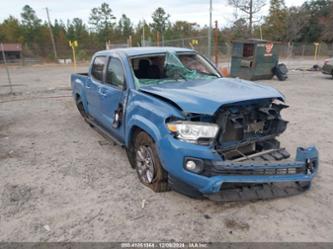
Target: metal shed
x: 12, y: 51
x: 253, y: 59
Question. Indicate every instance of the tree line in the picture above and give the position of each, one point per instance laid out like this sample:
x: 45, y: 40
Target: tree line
x: 308, y: 23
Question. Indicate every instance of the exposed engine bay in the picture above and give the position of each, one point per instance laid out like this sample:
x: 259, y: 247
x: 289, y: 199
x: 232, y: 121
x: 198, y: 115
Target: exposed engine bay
x: 249, y: 128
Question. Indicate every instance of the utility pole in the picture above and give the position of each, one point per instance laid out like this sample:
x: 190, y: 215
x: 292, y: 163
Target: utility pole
x: 251, y: 17
x: 143, y: 43
x: 157, y: 38
x: 51, y: 33
x: 210, y: 29
x: 216, y: 41
x: 129, y: 41
x: 260, y: 28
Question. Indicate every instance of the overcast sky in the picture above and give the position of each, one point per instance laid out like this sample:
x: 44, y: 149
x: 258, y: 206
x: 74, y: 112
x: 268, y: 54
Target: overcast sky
x: 187, y: 10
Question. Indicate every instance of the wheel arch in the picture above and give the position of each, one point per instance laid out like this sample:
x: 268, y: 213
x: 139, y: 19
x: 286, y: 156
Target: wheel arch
x: 138, y: 127
x: 134, y: 130
x: 77, y: 97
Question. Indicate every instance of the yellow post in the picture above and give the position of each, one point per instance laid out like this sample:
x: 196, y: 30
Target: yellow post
x: 316, y: 44
x: 319, y: 47
x: 195, y: 42
x: 73, y: 45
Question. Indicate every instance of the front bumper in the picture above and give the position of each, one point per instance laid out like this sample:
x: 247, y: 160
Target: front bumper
x: 248, y: 192
x: 173, y: 152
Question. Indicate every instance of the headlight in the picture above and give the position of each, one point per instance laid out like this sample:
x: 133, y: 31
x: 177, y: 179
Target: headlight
x: 193, y: 131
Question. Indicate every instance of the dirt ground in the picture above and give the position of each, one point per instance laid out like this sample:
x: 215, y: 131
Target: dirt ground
x: 61, y: 181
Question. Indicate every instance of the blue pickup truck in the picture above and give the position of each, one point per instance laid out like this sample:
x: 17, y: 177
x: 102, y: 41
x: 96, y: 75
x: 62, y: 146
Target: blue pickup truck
x: 186, y: 128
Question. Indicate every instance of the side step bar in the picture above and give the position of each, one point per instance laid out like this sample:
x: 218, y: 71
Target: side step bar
x: 102, y: 131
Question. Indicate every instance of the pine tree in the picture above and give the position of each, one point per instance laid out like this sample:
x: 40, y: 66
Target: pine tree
x: 276, y: 23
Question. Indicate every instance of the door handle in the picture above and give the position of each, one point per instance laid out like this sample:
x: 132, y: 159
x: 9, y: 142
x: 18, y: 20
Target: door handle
x: 103, y: 91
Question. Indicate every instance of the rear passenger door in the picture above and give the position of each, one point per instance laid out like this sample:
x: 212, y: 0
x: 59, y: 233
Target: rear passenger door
x: 112, y: 98
x: 93, y: 86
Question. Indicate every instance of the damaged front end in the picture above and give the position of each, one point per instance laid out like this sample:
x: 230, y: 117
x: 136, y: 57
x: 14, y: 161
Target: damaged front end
x: 253, y: 164
x: 249, y: 128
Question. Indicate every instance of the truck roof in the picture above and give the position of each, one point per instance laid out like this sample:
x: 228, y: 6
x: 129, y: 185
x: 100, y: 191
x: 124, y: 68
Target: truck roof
x: 135, y: 51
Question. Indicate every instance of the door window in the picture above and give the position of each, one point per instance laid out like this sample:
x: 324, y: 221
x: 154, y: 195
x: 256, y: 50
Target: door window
x: 98, y: 67
x: 115, y: 73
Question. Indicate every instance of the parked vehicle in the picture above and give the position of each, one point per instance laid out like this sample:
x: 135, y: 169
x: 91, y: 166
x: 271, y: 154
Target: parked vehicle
x: 187, y: 128
x: 328, y: 67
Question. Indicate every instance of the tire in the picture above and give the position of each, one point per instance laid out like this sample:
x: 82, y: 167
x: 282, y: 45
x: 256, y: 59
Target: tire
x: 131, y: 157
x: 80, y: 107
x: 83, y: 113
x: 281, y: 71
x: 304, y: 185
x: 147, y: 163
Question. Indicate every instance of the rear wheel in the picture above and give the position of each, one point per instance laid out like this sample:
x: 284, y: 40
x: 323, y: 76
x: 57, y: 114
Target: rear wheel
x: 80, y: 107
x: 147, y: 163
x: 82, y: 111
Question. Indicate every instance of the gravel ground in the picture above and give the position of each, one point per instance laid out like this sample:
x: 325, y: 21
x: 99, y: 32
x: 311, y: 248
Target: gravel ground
x: 61, y: 181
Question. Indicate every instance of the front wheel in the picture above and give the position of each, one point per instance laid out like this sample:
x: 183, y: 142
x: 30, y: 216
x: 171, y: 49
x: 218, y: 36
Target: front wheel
x: 148, y: 165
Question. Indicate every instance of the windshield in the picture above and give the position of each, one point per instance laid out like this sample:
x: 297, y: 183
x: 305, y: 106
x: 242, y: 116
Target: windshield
x: 170, y: 67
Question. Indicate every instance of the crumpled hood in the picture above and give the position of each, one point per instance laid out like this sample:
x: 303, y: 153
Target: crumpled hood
x: 206, y: 96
